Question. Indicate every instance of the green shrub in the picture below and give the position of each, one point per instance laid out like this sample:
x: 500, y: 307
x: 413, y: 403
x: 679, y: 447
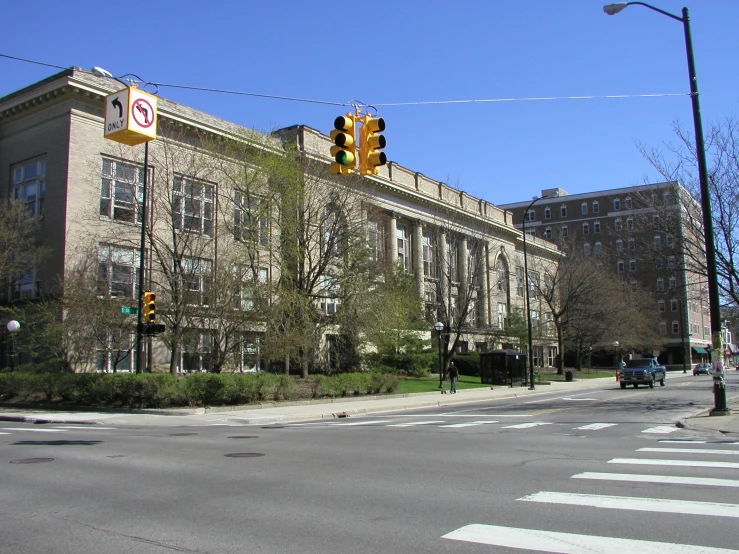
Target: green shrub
x: 468, y: 363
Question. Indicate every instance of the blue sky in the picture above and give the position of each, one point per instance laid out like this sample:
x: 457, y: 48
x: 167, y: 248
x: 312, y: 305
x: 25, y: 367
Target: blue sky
x: 407, y: 51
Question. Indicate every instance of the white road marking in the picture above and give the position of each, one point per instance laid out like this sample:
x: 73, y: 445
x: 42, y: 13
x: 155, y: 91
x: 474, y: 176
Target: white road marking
x: 690, y: 451
x: 596, y: 426
x: 569, y: 543
x: 35, y: 430
x: 660, y: 429
x: 3, y: 433
x: 470, y: 424
x: 412, y: 423
x: 689, y: 441
x: 714, y: 509
x: 682, y: 463
x: 355, y: 423
x: 526, y: 425
x: 91, y: 427
x: 580, y: 399
x: 667, y: 479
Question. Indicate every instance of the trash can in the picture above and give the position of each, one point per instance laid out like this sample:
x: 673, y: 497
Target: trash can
x: 568, y: 376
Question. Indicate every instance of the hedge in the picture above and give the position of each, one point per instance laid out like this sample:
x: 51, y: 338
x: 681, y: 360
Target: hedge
x: 162, y: 390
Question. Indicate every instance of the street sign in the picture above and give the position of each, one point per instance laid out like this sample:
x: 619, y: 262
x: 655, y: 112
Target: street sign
x: 129, y: 310
x: 131, y: 116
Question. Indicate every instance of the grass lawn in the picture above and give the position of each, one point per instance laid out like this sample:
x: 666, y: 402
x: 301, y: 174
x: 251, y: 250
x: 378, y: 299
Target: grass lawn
x: 431, y: 384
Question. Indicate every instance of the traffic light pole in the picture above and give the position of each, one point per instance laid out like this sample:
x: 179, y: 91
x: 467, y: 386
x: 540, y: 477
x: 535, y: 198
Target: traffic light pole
x: 142, y: 252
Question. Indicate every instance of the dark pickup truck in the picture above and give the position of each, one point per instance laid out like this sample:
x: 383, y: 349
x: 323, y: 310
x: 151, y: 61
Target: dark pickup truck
x: 643, y: 371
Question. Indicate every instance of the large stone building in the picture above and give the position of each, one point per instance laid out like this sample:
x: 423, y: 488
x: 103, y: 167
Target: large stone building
x: 465, y: 253
x: 648, y: 235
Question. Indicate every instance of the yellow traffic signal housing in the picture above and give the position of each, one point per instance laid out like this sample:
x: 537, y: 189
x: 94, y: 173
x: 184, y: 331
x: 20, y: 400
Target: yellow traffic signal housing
x: 344, y: 151
x: 150, y: 307
x: 370, y: 157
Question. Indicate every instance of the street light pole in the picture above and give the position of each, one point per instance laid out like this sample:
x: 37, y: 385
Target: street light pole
x: 528, y: 294
x: 439, y: 326
x: 700, y: 150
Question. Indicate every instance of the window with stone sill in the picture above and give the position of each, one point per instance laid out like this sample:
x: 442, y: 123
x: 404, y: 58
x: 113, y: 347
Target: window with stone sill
x: 193, y: 205
x: 121, y: 191
x: 29, y: 186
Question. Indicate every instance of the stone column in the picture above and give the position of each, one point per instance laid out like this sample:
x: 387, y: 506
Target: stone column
x: 417, y: 256
x: 463, y: 271
x: 443, y: 269
x: 482, y: 294
x: 391, y: 240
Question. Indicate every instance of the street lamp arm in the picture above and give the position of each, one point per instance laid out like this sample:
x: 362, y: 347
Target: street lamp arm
x: 613, y: 9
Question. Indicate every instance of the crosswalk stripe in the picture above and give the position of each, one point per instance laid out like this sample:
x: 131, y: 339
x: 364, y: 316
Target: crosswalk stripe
x: 354, y: 423
x: 34, y: 430
x: 665, y: 479
x: 469, y: 424
x: 660, y: 429
x: 691, y: 451
x: 596, y: 426
x: 411, y: 424
x: 526, y: 425
x: 690, y: 441
x: 691, y: 507
x: 683, y: 463
x: 569, y: 543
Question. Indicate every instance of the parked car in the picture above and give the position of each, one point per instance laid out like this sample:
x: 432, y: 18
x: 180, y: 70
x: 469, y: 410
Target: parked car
x: 643, y: 371
x: 702, y: 369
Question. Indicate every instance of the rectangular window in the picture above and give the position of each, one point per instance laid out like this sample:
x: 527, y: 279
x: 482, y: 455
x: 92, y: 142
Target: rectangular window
x: 671, y: 262
x: 586, y: 249
x: 452, y: 261
x: 250, y: 219
x: 667, y: 197
x: 28, y: 285
x: 673, y: 305
x: 620, y: 266
x: 628, y: 202
x: 675, y: 327
x: 329, y: 293
x: 596, y: 227
x: 502, y: 315
x: 632, y: 244
x: 657, y: 241
x: 529, y: 215
x: 547, y: 213
x: 669, y: 241
x: 195, y: 276
x: 617, y: 224
x: 404, y: 250
x: 375, y: 240
x: 116, y: 352
x: 121, y: 191
x: 598, y: 248
x: 534, y: 284
x: 585, y: 229
x: 564, y: 231
x: 29, y: 186
x: 519, y: 281
x: 619, y: 245
x: 193, y: 205
x: 630, y: 223
x: 661, y: 305
x: 548, y: 233
x: 655, y: 221
x: 632, y: 266
x: 196, y: 351
x: 616, y: 204
x: 563, y: 211
x: 662, y: 328
x: 531, y: 232
x: 658, y: 262
x: 660, y: 284
x: 584, y: 208
x: 117, y: 271
x: 673, y: 283
x: 429, y: 256
x: 596, y: 207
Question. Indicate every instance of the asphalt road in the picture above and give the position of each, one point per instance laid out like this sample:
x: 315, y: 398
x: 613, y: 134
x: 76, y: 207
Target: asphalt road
x: 550, y: 473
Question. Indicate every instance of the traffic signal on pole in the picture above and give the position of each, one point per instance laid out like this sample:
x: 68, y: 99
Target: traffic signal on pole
x: 370, y: 157
x: 344, y: 151
x: 150, y: 307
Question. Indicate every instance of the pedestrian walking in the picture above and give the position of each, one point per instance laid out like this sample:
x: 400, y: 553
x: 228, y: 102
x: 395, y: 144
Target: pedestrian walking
x: 453, y: 374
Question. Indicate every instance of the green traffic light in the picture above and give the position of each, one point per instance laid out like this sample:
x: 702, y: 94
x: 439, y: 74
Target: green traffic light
x: 341, y: 158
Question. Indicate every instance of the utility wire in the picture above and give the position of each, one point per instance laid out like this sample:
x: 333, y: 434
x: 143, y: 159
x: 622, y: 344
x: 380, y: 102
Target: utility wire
x: 390, y: 104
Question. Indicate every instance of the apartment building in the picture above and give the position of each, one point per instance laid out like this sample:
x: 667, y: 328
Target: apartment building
x: 465, y: 254
x: 647, y: 235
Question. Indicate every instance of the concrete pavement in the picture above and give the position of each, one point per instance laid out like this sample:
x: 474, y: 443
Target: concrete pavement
x: 286, y: 412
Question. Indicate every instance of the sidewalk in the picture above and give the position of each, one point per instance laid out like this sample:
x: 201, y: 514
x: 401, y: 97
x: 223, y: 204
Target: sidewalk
x: 288, y: 412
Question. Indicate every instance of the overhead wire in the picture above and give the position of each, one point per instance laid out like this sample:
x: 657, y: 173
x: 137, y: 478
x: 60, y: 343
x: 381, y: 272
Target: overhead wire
x: 374, y: 105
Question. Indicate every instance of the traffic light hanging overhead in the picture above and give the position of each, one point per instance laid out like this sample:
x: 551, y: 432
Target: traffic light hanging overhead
x: 370, y: 157
x: 344, y: 151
